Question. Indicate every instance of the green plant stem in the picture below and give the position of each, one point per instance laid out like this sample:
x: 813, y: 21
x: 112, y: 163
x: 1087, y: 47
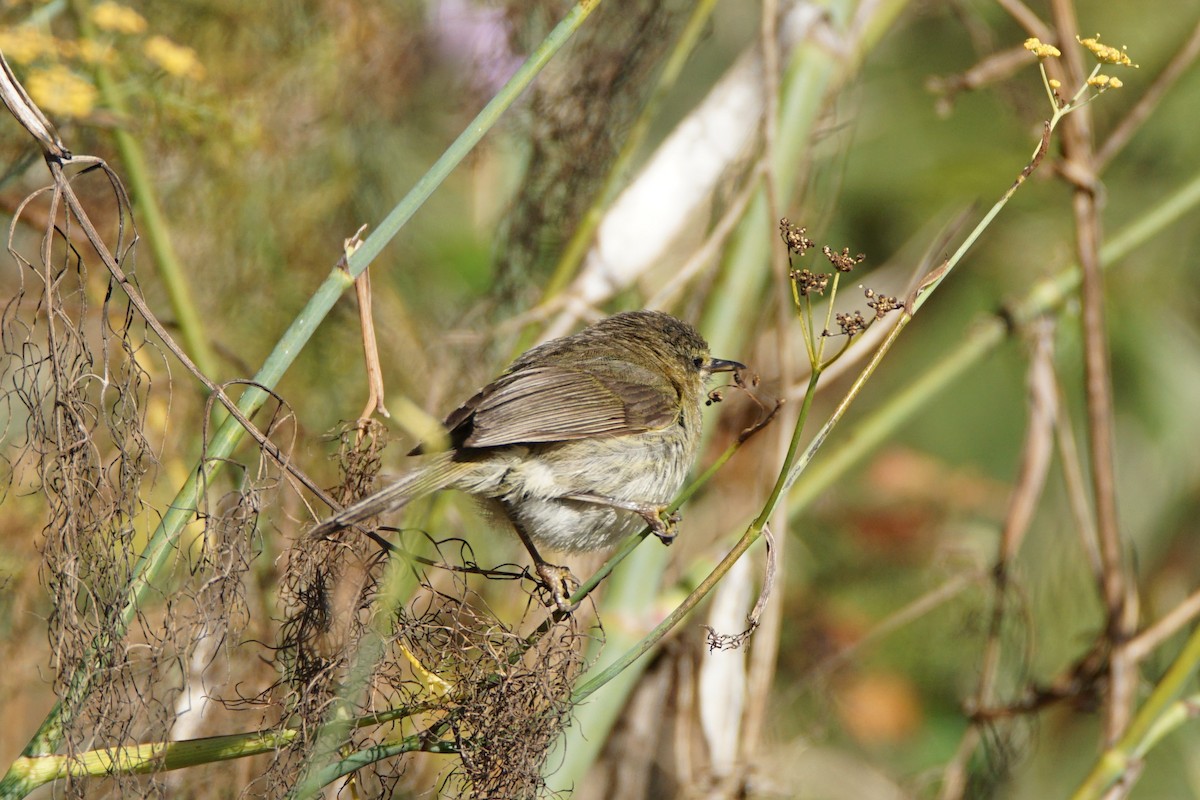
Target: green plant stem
x: 146, y: 758
x: 156, y: 757
x: 151, y: 221
x: 182, y: 509
x: 1153, y: 720
x: 426, y: 742
x: 752, y: 534
x: 789, y: 460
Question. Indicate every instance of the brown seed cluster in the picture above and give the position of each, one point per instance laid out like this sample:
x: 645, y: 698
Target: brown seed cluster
x: 806, y: 283
x: 809, y: 282
x: 851, y: 324
x: 881, y: 303
x: 794, y: 237
x: 843, y: 261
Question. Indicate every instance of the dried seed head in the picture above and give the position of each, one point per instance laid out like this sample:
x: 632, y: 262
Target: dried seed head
x: 843, y: 261
x: 850, y: 324
x: 809, y: 282
x: 793, y: 236
x: 881, y: 303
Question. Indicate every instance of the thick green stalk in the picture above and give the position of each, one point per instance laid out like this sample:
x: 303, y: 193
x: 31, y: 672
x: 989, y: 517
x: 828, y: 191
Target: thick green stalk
x: 427, y: 742
x: 154, y: 757
x: 144, y: 759
x: 1144, y: 731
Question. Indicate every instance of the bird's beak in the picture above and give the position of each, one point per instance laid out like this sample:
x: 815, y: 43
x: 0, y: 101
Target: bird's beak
x: 724, y: 365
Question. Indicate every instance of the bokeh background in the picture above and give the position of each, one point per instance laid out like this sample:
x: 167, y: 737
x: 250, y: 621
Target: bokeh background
x: 271, y: 132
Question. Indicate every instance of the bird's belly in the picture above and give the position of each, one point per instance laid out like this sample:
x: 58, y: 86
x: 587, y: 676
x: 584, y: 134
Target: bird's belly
x: 535, y: 493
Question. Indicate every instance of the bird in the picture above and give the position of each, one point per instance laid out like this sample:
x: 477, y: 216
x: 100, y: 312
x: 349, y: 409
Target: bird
x: 580, y: 442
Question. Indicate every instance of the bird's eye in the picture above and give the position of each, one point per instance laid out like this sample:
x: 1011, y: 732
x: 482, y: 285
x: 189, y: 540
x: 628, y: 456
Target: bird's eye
x: 698, y: 362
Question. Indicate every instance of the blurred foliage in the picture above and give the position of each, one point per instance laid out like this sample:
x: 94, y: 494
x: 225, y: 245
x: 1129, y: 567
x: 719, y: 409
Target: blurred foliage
x: 275, y: 130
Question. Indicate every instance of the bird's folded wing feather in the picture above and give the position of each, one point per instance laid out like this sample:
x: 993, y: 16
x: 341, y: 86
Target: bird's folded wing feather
x: 559, y: 403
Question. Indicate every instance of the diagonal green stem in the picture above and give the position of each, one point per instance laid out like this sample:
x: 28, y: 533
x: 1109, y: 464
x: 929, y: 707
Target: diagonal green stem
x: 1145, y: 730
x: 752, y: 535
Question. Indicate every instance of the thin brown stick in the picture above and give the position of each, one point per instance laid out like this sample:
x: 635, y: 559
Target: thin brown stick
x: 1082, y: 678
x: 1076, y: 485
x: 991, y: 69
x: 366, y: 317
x: 1152, y: 637
x: 66, y: 191
x: 1115, y: 589
x: 954, y: 776
x: 1036, y: 452
x: 30, y: 117
x: 1038, y: 446
x: 1036, y: 455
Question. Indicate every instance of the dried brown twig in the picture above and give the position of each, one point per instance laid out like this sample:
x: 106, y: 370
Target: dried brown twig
x: 1117, y: 588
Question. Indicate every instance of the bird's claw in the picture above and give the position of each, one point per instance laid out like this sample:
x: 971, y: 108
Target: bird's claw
x: 561, y: 585
x: 665, y: 530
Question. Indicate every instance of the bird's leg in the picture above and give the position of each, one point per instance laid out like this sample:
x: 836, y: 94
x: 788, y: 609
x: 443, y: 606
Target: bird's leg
x: 559, y: 580
x: 663, y: 529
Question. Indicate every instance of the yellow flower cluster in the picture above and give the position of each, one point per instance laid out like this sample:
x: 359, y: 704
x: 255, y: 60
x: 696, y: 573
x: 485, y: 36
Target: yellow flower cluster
x: 1041, y: 49
x: 25, y: 45
x: 174, y: 59
x: 116, y: 18
x: 59, y: 91
x: 1106, y: 54
x: 1102, y: 82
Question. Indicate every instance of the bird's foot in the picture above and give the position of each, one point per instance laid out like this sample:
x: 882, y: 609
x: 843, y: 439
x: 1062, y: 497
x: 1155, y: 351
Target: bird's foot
x: 664, y: 529
x: 560, y: 583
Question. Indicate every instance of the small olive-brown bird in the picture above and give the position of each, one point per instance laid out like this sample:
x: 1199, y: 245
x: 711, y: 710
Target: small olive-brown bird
x: 579, y: 443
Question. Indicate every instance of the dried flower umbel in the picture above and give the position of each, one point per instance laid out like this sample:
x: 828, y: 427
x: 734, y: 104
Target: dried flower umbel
x: 807, y: 282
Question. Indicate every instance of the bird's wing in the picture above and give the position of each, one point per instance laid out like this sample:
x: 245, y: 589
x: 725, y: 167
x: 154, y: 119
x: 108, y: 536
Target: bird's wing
x: 557, y: 403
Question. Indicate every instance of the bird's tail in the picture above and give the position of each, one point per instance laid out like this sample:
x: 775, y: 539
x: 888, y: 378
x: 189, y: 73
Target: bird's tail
x: 436, y: 472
